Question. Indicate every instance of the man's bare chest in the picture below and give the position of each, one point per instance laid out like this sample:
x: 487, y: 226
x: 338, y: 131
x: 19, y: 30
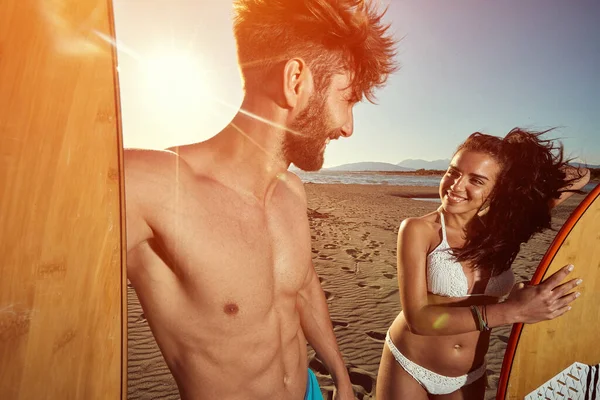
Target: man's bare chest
x: 233, y: 250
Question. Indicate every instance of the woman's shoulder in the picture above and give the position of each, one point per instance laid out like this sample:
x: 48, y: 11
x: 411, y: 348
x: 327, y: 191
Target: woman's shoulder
x: 424, y: 225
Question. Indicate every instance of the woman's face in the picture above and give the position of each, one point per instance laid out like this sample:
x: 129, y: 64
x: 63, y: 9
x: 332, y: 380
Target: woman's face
x: 468, y: 182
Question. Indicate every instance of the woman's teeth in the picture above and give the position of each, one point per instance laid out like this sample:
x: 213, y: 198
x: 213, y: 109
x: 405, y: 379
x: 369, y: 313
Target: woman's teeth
x: 455, y: 198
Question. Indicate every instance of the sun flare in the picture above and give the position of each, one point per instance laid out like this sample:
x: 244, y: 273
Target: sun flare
x: 176, y: 80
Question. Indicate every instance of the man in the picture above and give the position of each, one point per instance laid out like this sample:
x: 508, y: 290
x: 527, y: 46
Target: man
x: 218, y: 239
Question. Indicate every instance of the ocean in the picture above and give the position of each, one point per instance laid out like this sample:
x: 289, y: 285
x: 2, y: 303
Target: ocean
x: 367, y: 178
x: 374, y: 178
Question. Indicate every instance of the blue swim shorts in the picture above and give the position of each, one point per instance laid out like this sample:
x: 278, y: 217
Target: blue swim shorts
x: 313, y: 391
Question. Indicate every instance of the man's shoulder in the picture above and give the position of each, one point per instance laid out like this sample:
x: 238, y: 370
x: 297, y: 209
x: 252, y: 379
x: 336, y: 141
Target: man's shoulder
x: 157, y: 163
x: 294, y: 180
x: 154, y: 173
x: 294, y: 185
x: 135, y: 158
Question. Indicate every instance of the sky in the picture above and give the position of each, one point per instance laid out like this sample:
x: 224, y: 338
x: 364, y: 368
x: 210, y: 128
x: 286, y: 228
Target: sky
x: 466, y: 66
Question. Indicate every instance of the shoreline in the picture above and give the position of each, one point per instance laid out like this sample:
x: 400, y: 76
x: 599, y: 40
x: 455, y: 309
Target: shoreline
x: 410, y: 191
x: 407, y: 173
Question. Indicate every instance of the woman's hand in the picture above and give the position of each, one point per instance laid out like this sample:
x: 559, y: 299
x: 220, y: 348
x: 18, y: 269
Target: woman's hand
x: 548, y: 300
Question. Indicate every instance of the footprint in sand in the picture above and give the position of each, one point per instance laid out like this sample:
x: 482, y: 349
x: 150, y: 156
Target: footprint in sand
x: 330, y: 246
x: 361, y: 379
x: 378, y: 336
x: 389, y: 276
x: 324, y: 257
x: 140, y: 319
x: 373, y: 244
x: 375, y: 287
x: 362, y: 284
x: 316, y: 365
x: 391, y: 295
x: 328, y: 295
x: 146, y: 365
x: 338, y: 324
x: 352, y: 252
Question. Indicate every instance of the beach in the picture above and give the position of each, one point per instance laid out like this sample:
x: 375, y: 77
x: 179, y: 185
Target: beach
x: 353, y: 229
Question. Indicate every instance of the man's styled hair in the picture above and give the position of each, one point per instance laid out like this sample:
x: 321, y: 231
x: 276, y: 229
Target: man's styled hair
x: 331, y: 36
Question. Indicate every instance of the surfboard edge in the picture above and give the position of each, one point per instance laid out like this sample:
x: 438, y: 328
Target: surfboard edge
x: 121, y: 167
x: 539, y: 273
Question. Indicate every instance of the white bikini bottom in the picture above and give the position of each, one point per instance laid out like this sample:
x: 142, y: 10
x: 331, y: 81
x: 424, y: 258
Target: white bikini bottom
x: 432, y: 382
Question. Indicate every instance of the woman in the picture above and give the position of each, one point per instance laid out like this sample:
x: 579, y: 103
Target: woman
x: 454, y: 265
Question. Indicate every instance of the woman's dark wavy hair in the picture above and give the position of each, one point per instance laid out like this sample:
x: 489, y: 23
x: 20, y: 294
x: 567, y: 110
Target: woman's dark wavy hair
x: 531, y: 175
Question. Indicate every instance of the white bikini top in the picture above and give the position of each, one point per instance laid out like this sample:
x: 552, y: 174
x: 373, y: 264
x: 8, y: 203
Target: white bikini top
x: 446, y: 277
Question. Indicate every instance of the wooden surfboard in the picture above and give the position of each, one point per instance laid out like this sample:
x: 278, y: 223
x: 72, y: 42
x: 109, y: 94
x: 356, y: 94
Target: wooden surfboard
x: 62, y: 274
x: 537, y: 354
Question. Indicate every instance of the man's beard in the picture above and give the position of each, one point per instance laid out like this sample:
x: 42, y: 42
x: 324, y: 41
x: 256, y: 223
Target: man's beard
x: 304, y: 143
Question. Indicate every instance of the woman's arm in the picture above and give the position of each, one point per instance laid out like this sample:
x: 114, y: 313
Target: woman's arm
x: 525, y: 304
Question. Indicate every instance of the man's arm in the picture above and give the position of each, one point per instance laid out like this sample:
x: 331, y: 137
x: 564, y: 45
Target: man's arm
x: 136, y: 171
x: 314, y: 314
x: 316, y: 324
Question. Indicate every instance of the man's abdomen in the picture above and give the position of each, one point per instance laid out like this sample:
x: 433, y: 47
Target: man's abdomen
x: 260, y: 362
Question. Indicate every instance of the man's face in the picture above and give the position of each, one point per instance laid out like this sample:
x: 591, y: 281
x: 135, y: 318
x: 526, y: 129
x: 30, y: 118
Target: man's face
x: 327, y: 116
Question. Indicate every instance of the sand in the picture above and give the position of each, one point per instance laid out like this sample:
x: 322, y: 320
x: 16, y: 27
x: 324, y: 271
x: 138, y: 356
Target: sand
x: 353, y: 230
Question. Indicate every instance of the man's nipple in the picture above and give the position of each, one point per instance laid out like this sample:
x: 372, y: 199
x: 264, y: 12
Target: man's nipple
x: 231, y: 309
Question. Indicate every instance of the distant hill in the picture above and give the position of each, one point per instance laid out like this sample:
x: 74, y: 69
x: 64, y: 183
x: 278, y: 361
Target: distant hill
x: 424, y: 164
x: 578, y: 164
x: 406, y: 165
x: 368, y: 166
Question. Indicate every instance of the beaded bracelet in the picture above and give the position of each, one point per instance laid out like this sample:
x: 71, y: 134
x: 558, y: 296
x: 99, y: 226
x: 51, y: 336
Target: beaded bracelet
x: 485, y: 318
x: 482, y: 325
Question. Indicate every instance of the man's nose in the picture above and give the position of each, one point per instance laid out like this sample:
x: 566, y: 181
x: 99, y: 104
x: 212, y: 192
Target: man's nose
x: 348, y: 127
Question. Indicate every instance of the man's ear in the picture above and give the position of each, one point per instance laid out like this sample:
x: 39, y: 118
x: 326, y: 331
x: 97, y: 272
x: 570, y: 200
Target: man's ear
x: 298, y: 83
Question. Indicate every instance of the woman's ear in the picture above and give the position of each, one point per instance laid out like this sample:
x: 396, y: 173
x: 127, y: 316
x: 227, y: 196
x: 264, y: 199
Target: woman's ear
x: 485, y: 207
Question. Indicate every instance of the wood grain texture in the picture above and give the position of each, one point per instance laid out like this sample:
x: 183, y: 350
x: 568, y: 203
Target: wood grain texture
x: 538, y: 352
x: 61, y: 211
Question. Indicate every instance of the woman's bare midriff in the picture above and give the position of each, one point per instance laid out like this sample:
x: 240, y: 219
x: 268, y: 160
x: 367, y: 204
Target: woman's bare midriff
x: 453, y: 355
